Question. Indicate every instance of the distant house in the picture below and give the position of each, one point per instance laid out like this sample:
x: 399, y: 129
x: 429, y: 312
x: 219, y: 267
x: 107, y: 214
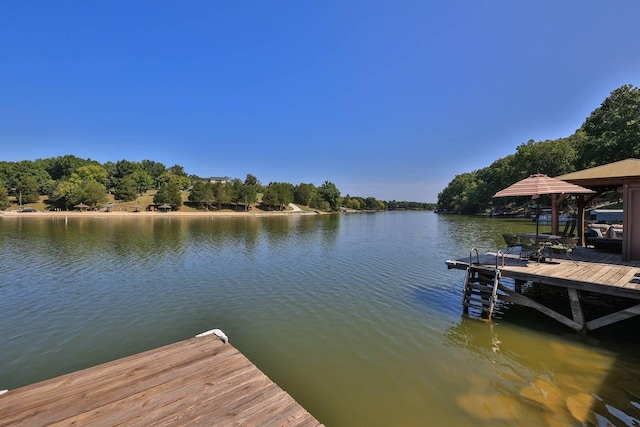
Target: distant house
x: 218, y: 179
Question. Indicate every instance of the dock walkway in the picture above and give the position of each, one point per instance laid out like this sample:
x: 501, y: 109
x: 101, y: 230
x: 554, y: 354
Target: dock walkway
x: 593, y: 272
x: 199, y: 381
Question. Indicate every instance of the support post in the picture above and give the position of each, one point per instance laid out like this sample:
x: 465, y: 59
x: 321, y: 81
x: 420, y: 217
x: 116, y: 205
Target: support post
x: 576, y: 308
x: 518, y: 285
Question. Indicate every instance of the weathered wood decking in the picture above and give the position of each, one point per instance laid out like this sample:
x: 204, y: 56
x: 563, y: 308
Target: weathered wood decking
x: 200, y: 381
x: 592, y: 272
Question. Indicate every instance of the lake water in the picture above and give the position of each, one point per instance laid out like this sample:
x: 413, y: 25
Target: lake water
x: 356, y: 315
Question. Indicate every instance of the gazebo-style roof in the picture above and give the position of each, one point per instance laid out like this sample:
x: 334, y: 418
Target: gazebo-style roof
x: 611, y: 175
x: 624, y: 177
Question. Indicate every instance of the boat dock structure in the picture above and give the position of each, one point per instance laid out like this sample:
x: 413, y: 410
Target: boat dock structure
x: 200, y: 381
x: 585, y: 291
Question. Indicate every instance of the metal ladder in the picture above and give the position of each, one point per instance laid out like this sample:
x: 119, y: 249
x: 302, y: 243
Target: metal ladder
x: 480, y: 290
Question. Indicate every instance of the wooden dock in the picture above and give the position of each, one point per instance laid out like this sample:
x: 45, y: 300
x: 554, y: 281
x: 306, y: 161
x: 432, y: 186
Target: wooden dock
x: 201, y: 381
x: 590, y: 273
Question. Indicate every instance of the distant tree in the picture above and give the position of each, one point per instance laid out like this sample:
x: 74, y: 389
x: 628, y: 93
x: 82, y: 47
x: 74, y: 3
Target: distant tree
x: 317, y: 202
x: 371, y: 203
x: 177, y: 170
x: 353, y: 203
x: 234, y: 189
x: 180, y: 181
x: 154, y: 169
x: 4, y: 197
x: 460, y: 195
x: 67, y: 194
x: 35, y: 169
x: 303, y: 193
x: 221, y: 194
x: 252, y: 180
x: 169, y: 193
x: 278, y: 195
x: 112, y: 174
x: 180, y: 178
x: 202, y: 194
x: 127, y: 189
x: 92, y: 172
x: 27, y: 189
x: 125, y: 167
x: 553, y: 158
x: 249, y: 195
x: 330, y: 193
x: 93, y: 192
x: 63, y: 166
x: 8, y: 174
x: 612, y: 131
x: 143, y: 180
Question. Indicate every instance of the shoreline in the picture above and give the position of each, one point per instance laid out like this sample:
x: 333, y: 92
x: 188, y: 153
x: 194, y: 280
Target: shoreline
x: 147, y: 214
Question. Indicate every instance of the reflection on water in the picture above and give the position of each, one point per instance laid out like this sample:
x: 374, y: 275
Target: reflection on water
x: 355, y: 315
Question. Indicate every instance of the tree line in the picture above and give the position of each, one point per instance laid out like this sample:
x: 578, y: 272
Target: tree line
x: 610, y: 133
x: 68, y: 181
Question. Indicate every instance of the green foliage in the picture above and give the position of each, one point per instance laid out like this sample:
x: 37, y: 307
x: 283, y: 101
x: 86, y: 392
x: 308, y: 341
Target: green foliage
x: 8, y: 174
x: 143, y: 180
x: 177, y: 170
x: 611, y: 133
x: 330, y: 193
x: 181, y: 181
x: 249, y: 194
x: 65, y: 179
x: 169, y: 193
x: 4, y: 197
x: 461, y: 195
x: 126, y: 189
x: 92, y: 172
x: 552, y: 158
x: 154, y: 169
x: 202, y: 194
x: 319, y: 203
x: 63, y: 166
x: 353, y: 203
x: 27, y: 189
x: 125, y: 167
x: 303, y: 193
x: 67, y: 194
x: 278, y: 195
x: 93, y: 192
x: 221, y: 194
x: 252, y: 180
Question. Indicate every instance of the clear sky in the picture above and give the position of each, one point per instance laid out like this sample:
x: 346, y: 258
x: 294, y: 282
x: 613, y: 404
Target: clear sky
x: 385, y: 98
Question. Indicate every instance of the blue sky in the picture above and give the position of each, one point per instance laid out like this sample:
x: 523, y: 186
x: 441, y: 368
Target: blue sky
x: 389, y: 99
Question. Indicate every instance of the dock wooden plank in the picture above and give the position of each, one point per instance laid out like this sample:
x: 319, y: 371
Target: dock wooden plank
x: 111, y: 381
x: 597, y: 272
x: 182, y: 385
x: 200, y: 381
x: 631, y: 279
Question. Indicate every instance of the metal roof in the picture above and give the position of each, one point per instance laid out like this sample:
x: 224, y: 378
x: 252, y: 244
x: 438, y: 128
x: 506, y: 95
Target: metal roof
x: 605, y: 175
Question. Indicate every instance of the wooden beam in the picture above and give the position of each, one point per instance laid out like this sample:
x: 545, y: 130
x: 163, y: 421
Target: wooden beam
x: 515, y: 298
x: 613, y: 318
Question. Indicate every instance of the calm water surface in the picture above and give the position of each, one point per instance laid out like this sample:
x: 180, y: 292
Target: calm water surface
x: 356, y: 316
